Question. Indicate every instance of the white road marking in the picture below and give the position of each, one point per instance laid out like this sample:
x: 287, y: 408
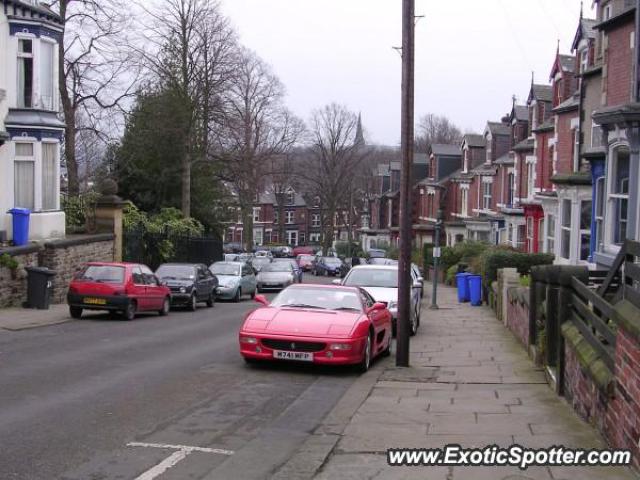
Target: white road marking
x: 181, y: 452
x: 181, y: 447
x: 164, y: 465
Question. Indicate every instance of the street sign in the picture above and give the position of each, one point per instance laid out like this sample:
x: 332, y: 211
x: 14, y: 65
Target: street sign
x: 436, y: 252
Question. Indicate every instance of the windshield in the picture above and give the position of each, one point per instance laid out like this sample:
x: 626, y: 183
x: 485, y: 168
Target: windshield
x: 332, y: 261
x: 320, y: 298
x: 178, y: 272
x: 103, y: 274
x: 225, y: 269
x: 277, y: 267
x: 372, y: 277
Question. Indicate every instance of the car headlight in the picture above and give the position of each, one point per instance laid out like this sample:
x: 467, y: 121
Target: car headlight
x: 340, y: 346
x: 183, y: 290
x: 251, y: 340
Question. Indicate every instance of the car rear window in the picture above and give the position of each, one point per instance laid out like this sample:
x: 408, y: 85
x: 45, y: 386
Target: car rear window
x: 102, y: 274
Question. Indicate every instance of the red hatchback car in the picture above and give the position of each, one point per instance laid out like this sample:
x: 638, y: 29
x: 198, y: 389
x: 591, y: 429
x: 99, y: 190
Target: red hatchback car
x: 318, y: 324
x: 119, y: 288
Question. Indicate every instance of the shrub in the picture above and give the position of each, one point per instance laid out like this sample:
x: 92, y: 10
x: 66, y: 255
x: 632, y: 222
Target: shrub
x: 496, y: 258
x: 393, y: 253
x: 451, y: 274
x: 525, y: 280
x: 342, y: 249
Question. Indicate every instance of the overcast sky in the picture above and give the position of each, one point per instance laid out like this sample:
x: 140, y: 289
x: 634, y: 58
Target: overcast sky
x: 471, y: 56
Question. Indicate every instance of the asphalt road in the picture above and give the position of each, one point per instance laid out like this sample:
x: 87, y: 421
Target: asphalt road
x: 73, y: 397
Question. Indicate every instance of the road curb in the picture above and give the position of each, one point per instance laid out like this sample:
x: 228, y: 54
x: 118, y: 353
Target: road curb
x: 30, y: 326
x: 316, y: 449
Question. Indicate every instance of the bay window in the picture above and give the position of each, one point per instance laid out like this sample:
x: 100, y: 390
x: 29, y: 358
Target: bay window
x: 565, y: 229
x: 49, y: 176
x: 25, y: 73
x: 465, y: 201
x: 486, y: 195
x: 619, y: 194
x: 551, y: 234
x: 47, y: 80
x: 585, y: 229
x: 24, y: 176
x: 599, y: 212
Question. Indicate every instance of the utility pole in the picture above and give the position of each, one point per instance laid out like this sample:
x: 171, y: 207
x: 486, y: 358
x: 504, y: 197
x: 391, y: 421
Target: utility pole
x: 436, y: 261
x: 404, y: 264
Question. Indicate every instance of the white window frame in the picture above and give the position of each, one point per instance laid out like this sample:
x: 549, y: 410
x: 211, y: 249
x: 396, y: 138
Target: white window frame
x: 315, y: 219
x: 566, y: 208
x: 612, y: 224
x: 289, y: 217
x: 487, y: 194
x: 55, y: 179
x: 600, y: 212
x: 256, y: 214
x: 26, y: 159
x: 584, y: 232
x: 464, y: 198
x: 49, y: 104
x: 550, y: 233
x: 19, y: 56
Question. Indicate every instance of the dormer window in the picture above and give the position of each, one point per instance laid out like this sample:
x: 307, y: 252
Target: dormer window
x: 584, y: 60
x: 25, y: 73
x: 607, y: 10
x: 290, y: 198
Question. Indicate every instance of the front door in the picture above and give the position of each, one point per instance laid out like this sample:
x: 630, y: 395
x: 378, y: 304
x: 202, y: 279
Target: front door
x: 139, y: 288
x: 292, y: 237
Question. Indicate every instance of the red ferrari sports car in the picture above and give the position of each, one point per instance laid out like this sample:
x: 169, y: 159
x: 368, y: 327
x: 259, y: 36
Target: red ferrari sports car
x: 321, y: 324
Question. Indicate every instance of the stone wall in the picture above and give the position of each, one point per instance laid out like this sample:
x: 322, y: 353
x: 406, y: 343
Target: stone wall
x: 13, y: 283
x: 64, y: 257
x: 67, y: 256
x: 517, y: 319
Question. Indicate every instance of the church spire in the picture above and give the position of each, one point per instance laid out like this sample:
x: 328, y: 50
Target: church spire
x: 359, y: 132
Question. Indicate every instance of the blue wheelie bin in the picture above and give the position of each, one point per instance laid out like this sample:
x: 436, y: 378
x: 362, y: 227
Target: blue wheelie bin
x: 463, y: 288
x: 475, y: 290
x: 20, y: 225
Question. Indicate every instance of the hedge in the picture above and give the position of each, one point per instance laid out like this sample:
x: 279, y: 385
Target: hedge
x: 494, y: 259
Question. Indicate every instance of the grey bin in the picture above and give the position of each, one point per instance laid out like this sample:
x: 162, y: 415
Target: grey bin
x: 39, y: 287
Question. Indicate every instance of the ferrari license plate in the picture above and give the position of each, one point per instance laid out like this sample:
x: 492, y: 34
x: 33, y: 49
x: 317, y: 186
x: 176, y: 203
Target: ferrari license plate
x: 94, y: 301
x: 297, y: 356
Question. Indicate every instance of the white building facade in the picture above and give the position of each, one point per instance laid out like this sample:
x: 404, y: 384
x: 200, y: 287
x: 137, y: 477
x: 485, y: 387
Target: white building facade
x: 31, y: 130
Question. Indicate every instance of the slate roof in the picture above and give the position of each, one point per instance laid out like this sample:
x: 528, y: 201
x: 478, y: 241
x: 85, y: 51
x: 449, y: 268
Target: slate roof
x: 474, y: 140
x: 505, y: 159
x: 269, y: 198
x: 585, y: 30
x: 521, y: 112
x: 448, y: 150
x: 498, y: 128
x: 32, y: 118
x: 543, y: 93
x: 420, y: 158
x: 525, y: 145
x: 485, y: 169
x: 569, y: 104
x: 548, y: 125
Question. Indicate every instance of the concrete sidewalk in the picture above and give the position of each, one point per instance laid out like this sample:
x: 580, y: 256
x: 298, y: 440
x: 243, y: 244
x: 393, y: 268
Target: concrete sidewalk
x: 471, y: 383
x: 15, y: 319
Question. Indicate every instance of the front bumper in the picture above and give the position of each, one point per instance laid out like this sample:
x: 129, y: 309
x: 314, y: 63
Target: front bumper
x: 324, y: 356
x: 90, y: 302
x: 180, y: 298
x: 226, y: 292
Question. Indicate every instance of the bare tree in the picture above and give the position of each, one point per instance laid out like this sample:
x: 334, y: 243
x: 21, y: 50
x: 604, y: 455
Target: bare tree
x: 257, y: 129
x: 333, y: 158
x: 436, y: 129
x: 190, y: 49
x: 95, y: 73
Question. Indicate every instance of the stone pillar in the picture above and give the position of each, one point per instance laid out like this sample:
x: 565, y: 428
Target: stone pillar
x: 109, y: 220
x: 510, y: 278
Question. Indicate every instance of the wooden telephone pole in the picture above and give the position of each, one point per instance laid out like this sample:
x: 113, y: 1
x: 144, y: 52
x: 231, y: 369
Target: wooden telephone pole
x: 404, y: 264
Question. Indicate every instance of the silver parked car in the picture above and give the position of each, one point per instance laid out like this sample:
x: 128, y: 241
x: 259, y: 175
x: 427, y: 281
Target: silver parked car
x: 276, y: 276
x: 381, y: 282
x: 234, y: 280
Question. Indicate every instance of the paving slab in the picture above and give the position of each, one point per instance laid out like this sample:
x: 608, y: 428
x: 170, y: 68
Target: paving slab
x: 472, y: 384
x: 16, y: 319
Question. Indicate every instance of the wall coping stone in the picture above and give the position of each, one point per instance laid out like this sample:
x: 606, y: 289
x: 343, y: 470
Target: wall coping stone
x: 627, y: 316
x: 74, y: 240
x: 588, y: 358
x: 22, y: 250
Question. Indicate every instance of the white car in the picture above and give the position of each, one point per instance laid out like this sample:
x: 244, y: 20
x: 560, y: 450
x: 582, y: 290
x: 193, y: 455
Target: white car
x: 381, y: 282
x: 263, y: 254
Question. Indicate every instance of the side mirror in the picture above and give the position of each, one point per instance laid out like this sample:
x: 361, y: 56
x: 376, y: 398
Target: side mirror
x: 337, y: 282
x: 377, y: 307
x: 261, y: 299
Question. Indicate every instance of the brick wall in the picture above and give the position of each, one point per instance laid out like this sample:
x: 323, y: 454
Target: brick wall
x: 518, y: 313
x: 13, y: 284
x: 619, y: 65
x: 623, y: 418
x: 67, y: 256
x: 565, y: 141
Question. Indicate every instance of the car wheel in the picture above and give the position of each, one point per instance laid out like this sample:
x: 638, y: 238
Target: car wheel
x: 364, y: 364
x: 193, y: 303
x: 211, y: 300
x: 130, y: 312
x: 237, y: 296
x: 75, y: 312
x: 166, y: 306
